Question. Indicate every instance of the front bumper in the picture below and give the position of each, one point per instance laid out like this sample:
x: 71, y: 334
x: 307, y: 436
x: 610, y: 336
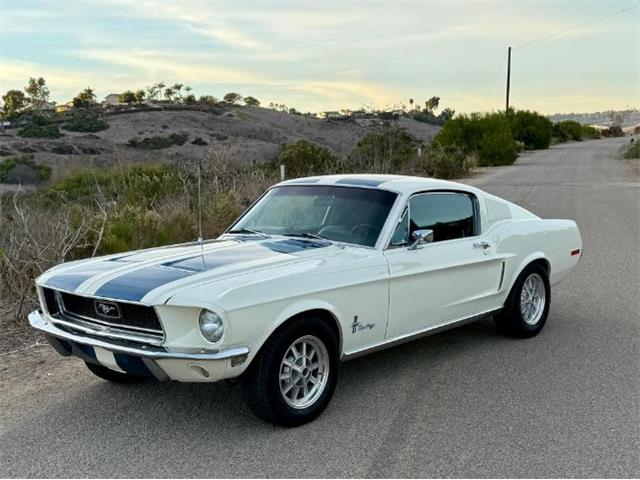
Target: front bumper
x: 187, y: 365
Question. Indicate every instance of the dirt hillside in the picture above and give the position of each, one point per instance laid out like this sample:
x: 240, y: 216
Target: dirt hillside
x: 246, y: 134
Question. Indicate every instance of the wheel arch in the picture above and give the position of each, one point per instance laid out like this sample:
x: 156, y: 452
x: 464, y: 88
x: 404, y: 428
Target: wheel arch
x: 321, y: 310
x: 538, y: 258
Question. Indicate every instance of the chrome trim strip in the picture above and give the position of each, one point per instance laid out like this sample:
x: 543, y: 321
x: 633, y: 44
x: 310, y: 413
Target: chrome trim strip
x: 74, y: 316
x: 38, y: 321
x: 108, y: 332
x: 425, y: 332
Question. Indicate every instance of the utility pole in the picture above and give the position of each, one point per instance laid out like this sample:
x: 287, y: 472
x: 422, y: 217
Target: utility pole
x: 508, y: 78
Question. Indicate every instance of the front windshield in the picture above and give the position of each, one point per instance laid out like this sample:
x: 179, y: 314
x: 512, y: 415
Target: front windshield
x: 344, y: 214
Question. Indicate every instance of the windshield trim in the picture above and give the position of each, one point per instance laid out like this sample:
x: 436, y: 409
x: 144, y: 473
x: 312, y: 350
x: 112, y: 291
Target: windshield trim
x: 380, y: 241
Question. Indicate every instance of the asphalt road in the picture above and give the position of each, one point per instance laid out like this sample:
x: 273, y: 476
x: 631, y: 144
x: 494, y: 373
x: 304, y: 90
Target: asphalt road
x: 464, y: 403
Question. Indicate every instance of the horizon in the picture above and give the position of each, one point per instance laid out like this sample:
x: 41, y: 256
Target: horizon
x: 335, y: 56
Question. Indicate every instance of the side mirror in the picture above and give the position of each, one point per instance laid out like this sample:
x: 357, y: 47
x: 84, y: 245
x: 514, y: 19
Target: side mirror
x: 420, y: 237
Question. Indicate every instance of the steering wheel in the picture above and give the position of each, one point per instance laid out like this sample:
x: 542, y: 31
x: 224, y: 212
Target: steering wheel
x: 365, y: 227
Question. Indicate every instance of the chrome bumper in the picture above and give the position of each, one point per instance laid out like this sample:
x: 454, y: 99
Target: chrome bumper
x: 40, y: 322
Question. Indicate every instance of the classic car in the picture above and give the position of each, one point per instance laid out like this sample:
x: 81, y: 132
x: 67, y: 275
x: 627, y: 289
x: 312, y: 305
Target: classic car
x: 317, y: 271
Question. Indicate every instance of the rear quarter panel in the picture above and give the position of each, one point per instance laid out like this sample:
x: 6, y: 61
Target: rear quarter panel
x: 522, y: 241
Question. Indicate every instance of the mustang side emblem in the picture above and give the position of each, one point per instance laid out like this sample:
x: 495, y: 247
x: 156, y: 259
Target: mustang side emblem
x: 107, y: 309
x: 356, y: 326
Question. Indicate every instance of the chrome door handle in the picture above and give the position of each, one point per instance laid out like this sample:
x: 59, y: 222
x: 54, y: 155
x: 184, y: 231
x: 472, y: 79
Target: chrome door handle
x: 483, y: 245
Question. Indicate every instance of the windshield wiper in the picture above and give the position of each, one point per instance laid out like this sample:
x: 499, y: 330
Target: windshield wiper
x: 307, y: 235
x: 250, y: 232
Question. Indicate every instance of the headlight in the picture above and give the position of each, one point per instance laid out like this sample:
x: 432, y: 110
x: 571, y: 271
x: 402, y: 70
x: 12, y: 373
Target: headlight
x: 211, y: 325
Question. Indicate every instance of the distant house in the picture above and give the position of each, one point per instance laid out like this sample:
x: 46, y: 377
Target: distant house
x: 64, y: 107
x: 112, y: 99
x: 329, y: 115
x: 40, y: 106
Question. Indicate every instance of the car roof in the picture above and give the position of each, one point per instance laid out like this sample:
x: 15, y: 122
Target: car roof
x: 395, y: 183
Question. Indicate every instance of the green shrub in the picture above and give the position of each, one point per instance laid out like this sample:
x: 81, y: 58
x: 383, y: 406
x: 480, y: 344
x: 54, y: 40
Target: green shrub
x: 531, y: 128
x: 138, y: 185
x: 39, y: 127
x: 23, y: 169
x: 613, y: 131
x: 486, y: 135
x: 305, y: 158
x: 85, y: 123
x: 159, y: 142
x: 590, y: 133
x: 632, y: 152
x: 448, y: 161
x: 567, y: 130
x: 385, y: 150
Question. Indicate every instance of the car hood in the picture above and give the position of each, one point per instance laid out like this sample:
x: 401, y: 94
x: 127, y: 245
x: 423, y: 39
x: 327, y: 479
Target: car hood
x: 139, y: 276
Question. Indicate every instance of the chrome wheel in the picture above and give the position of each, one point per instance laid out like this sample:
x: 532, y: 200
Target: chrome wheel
x: 533, y: 298
x: 304, y: 371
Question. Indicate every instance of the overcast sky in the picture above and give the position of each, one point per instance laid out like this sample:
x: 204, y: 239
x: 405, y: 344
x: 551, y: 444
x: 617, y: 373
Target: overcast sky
x: 325, y: 55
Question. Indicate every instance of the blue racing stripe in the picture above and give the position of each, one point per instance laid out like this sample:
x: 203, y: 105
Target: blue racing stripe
x: 360, y: 181
x: 72, y: 278
x: 294, y: 245
x: 135, y: 285
x: 132, y: 365
x: 211, y: 260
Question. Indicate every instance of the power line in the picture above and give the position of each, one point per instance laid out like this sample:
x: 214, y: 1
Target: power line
x: 495, y: 80
x: 575, y: 27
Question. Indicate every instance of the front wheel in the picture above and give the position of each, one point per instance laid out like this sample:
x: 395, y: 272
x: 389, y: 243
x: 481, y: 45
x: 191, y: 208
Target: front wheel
x: 527, y: 307
x: 293, y: 378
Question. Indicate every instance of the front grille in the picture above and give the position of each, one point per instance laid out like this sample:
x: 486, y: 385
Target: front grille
x: 131, y: 315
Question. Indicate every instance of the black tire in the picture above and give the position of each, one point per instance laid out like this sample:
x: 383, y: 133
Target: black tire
x: 111, y: 375
x: 510, y: 319
x: 261, y: 382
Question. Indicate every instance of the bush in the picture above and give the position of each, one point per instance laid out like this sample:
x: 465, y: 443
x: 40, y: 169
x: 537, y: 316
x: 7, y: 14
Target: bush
x: 23, y: 169
x: 531, y: 128
x: 39, y: 127
x: 486, y: 135
x: 305, y: 158
x: 159, y: 142
x: 613, y: 131
x: 590, y: 133
x: 385, y: 150
x: 567, y: 130
x: 85, y: 123
x: 448, y: 161
x: 632, y: 152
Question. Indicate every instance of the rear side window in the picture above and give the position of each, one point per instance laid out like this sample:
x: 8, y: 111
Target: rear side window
x: 449, y: 215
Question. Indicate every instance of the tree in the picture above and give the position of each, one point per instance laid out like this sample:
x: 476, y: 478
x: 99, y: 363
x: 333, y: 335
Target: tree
x: 139, y: 96
x: 152, y: 91
x: 127, y: 97
x: 411, y: 104
x: 208, y: 100
x: 177, y: 88
x: 232, y: 98
x: 431, y: 105
x: 169, y: 93
x: 37, y: 90
x: 251, y: 101
x: 85, y: 99
x: 189, y: 99
x: 14, y: 101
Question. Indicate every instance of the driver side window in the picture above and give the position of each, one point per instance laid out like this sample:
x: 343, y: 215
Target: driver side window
x: 450, y: 215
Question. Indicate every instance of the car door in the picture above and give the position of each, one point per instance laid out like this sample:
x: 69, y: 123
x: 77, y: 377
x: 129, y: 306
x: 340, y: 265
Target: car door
x: 451, y: 278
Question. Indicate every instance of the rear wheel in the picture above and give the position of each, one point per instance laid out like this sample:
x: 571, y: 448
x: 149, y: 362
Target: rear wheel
x: 527, y: 307
x: 111, y: 375
x: 293, y: 378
